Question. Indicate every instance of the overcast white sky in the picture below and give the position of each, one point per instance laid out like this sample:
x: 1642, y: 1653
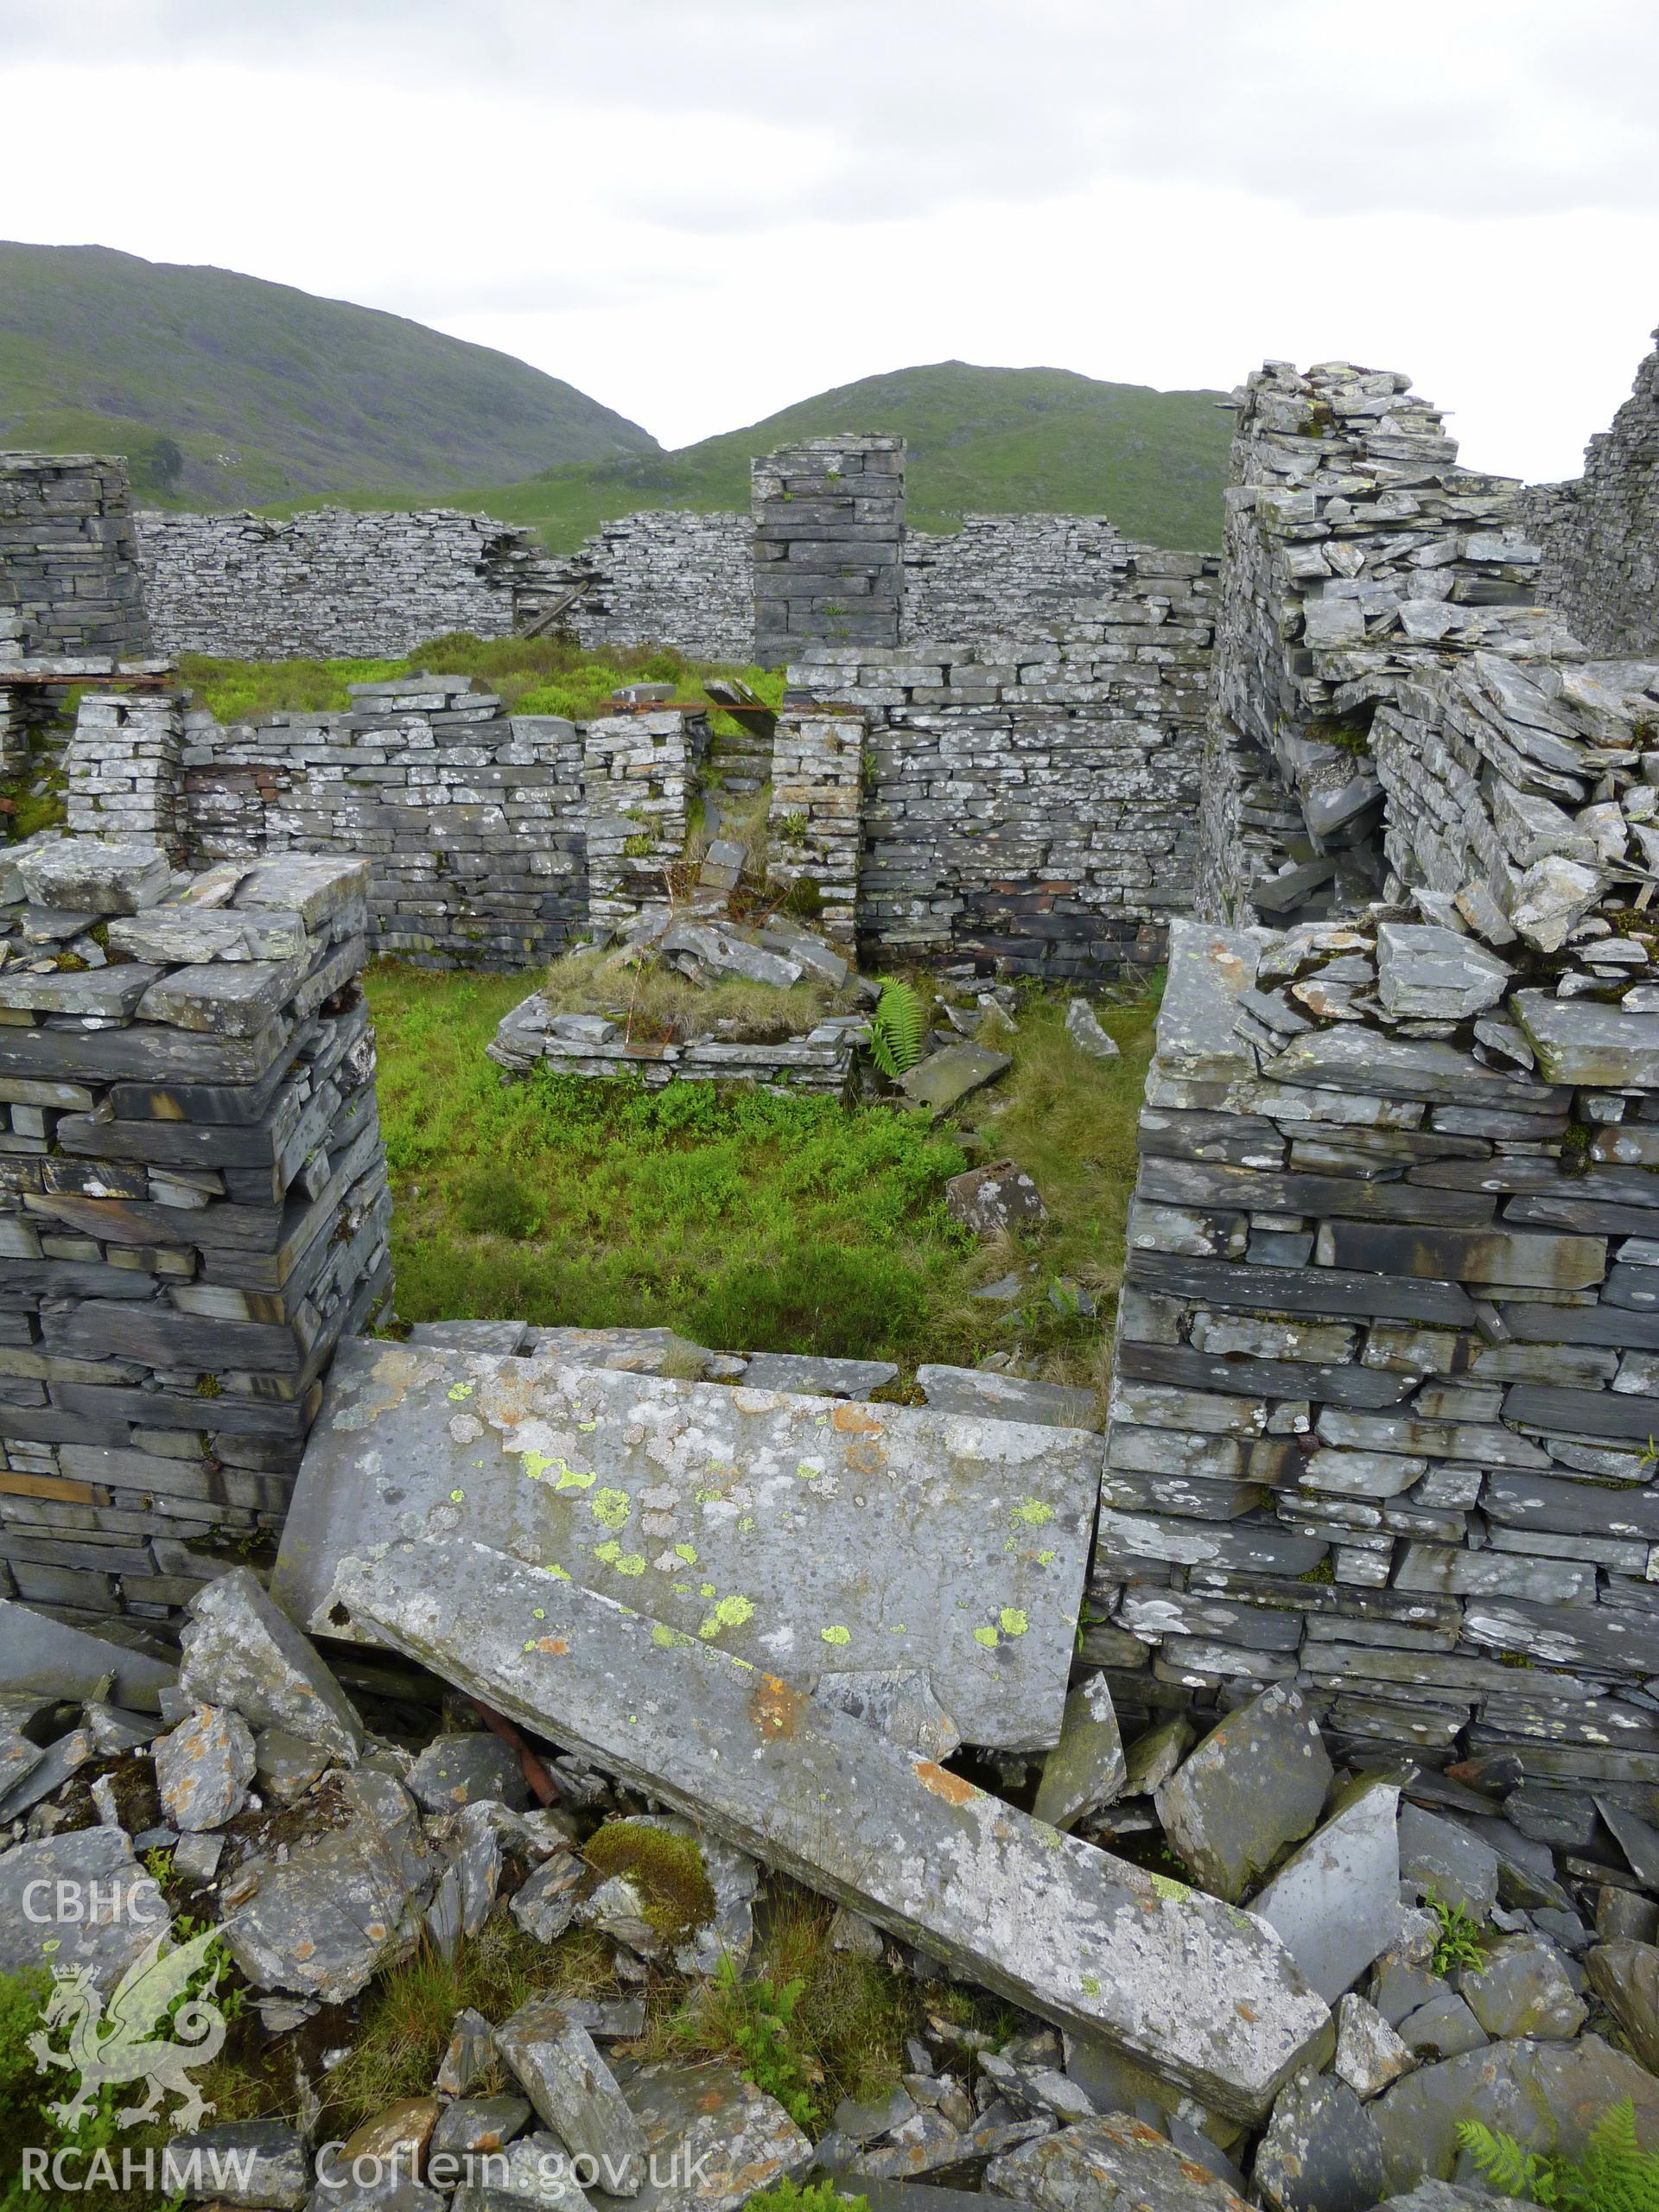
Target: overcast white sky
x: 701, y: 209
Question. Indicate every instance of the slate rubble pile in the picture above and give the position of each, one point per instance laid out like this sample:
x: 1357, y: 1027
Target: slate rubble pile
x: 328, y: 1850
x: 193, y: 1206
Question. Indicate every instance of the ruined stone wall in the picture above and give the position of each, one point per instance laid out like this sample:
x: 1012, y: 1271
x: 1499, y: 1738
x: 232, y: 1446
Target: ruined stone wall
x: 1035, y: 803
x: 193, y: 1209
x: 473, y: 821
x: 1003, y: 575
x: 1600, y: 532
x: 335, y: 584
x: 69, y: 580
x: 665, y: 578
x: 1386, y: 1355
x: 828, y: 545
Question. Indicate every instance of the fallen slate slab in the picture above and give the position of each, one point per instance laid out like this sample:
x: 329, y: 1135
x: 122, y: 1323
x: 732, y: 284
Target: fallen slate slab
x: 1443, y: 2027
x: 243, y: 2162
x: 1523, y: 1990
x: 77, y: 1900
x: 899, y: 1701
x: 1114, y: 2163
x: 1336, y: 1900
x: 534, y: 2173
x: 1625, y: 1976
x: 39, y: 1653
x: 240, y: 1650
x: 1006, y: 1397
x: 1321, y: 2153
x: 479, y: 2124
x: 575, y: 2092
x: 545, y: 1904
x: 1548, y: 2095
x: 1256, y: 1784
x: 464, y: 1769
x: 61, y: 1758
x: 1085, y: 1769
x: 944, y: 1079
x: 1151, y: 1759
x: 800, y: 1533
x: 1204, y: 1995
x: 1435, y: 973
x: 468, y: 2055
x: 344, y: 1903
x: 203, y: 1768
x: 714, y: 2139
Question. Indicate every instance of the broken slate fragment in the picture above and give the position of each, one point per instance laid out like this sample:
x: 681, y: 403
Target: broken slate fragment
x: 1151, y: 1759
x: 1435, y: 975
x: 828, y: 1378
x: 112, y: 1907
x: 89, y: 877
x: 1369, y: 2055
x: 469, y: 2054
x: 575, y: 2092
x: 1625, y: 1976
x: 244, y: 2162
x: 1085, y: 1769
x: 1523, y: 1990
x: 1321, y: 2153
x: 1086, y: 1033
x: 203, y: 1769
x: 1006, y: 1397
x: 993, y: 1200
x: 1446, y: 1862
x: 1443, y: 2028
x: 546, y: 1905
x: 1256, y: 1784
x: 1115, y: 2163
x: 344, y: 1904
x: 717, y: 2139
x: 240, y: 1650
x: 1207, y: 1996
x: 464, y: 1769
x: 944, y: 1079
x: 39, y: 1653
x: 1336, y: 1900
x: 479, y: 2124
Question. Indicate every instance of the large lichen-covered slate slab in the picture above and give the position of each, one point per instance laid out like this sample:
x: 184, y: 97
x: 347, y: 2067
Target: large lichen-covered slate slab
x: 1202, y: 1993
x: 807, y: 1535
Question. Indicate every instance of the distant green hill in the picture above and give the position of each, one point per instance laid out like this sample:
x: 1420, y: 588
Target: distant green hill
x: 981, y: 441
x: 225, y: 390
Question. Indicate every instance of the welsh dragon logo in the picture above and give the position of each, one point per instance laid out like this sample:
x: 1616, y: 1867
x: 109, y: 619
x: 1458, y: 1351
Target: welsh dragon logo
x: 118, y: 2042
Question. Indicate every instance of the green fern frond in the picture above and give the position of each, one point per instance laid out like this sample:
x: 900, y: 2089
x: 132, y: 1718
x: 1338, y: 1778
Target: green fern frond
x: 897, y: 1029
x: 1614, y: 2175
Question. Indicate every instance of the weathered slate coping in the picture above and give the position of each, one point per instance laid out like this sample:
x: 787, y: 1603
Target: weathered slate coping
x: 1202, y: 1993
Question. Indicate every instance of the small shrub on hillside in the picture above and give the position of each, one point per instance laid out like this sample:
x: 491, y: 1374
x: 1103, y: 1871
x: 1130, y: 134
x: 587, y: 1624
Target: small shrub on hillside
x: 756, y: 2022
x: 492, y: 1202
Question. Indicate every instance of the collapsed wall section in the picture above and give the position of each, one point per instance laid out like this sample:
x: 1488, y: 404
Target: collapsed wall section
x: 334, y: 583
x: 192, y: 1208
x: 1600, y: 532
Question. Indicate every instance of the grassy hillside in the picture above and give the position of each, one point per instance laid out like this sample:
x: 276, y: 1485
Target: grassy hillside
x: 982, y: 440
x: 226, y: 390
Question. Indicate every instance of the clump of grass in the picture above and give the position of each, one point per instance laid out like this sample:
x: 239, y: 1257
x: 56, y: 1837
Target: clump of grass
x: 813, y: 2197
x: 666, y: 1870
x: 658, y: 1005
x: 409, y: 2012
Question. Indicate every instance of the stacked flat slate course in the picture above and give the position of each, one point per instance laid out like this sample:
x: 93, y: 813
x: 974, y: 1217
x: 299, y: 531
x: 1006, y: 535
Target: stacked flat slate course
x: 664, y: 577
x: 1385, y: 1362
x: 828, y: 544
x: 1600, y: 532
x: 193, y: 1209
x: 1000, y: 576
x: 335, y: 583
x: 69, y: 579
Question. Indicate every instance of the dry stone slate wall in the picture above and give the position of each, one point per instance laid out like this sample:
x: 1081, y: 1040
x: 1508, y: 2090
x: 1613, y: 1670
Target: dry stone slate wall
x: 1601, y: 533
x: 333, y: 583
x: 69, y: 579
x: 828, y: 545
x: 1003, y: 575
x: 192, y: 1207
x: 666, y: 577
x: 1034, y: 804
x: 1389, y: 1341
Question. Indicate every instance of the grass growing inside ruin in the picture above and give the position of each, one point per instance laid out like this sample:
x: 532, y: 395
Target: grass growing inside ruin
x: 533, y: 675
x: 743, y: 1219
x: 656, y: 1003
